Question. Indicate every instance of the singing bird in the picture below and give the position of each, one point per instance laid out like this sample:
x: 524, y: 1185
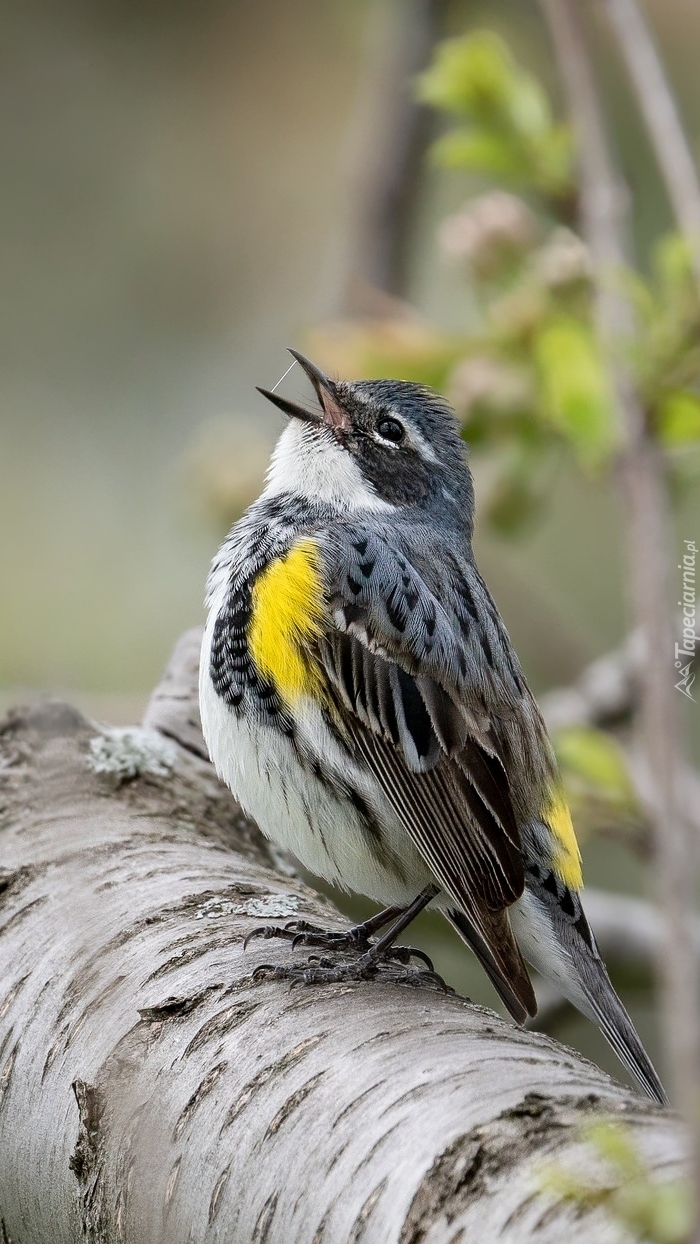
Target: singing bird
x: 361, y: 697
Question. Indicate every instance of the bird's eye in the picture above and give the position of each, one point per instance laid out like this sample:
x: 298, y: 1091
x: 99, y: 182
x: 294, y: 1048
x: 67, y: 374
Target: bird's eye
x: 391, y: 430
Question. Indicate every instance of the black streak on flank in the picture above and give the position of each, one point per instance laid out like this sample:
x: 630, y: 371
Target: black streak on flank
x: 231, y: 666
x: 362, y: 807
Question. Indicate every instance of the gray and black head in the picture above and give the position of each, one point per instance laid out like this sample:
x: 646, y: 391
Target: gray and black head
x: 373, y: 444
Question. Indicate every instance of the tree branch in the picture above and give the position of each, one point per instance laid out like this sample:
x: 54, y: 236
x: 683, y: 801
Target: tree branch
x: 606, y: 693
x: 208, y: 1104
x: 628, y: 929
x: 658, y: 107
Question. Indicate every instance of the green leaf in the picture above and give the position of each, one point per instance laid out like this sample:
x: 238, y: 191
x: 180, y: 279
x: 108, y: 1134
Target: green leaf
x: 555, y: 160
x: 673, y: 261
x: 658, y: 1213
x: 475, y: 75
x: 480, y: 150
x: 666, y: 352
x: 678, y: 419
x: 509, y: 131
x: 574, y: 387
x: 595, y: 761
x: 616, y: 1144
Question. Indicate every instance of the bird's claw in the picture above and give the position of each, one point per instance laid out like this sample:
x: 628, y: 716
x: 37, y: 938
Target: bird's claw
x: 264, y: 931
x: 293, y: 931
x: 302, y: 933
x: 318, y: 970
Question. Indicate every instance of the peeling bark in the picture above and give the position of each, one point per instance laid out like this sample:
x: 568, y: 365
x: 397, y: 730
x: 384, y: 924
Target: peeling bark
x: 152, y: 1090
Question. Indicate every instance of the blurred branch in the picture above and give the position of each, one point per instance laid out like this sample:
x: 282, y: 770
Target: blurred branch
x: 628, y: 930
x: 606, y: 693
x: 645, y: 505
x: 384, y: 162
x: 658, y: 107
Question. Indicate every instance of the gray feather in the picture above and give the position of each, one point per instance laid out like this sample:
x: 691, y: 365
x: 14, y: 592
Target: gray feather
x: 560, y: 943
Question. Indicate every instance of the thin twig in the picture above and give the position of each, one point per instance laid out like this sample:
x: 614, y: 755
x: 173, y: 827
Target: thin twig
x: 658, y: 107
x: 645, y: 510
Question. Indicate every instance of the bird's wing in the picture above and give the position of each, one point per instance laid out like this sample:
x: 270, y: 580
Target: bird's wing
x: 392, y: 662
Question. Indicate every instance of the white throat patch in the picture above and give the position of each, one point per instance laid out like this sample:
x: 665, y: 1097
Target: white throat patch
x: 315, y: 466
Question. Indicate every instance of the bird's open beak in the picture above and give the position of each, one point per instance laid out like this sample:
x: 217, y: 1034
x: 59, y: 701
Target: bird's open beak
x: 331, y: 414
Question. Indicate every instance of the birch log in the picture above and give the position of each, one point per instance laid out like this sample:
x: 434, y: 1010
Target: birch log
x: 152, y: 1090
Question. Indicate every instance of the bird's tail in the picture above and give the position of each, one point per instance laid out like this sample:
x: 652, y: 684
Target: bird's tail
x: 552, y: 931
x: 607, y: 1011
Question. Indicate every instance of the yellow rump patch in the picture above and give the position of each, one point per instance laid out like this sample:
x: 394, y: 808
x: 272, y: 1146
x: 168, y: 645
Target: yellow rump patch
x: 566, y: 859
x: 287, y: 612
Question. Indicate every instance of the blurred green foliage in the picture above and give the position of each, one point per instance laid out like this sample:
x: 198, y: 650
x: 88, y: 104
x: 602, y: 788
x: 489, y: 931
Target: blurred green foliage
x: 667, y: 348
x: 597, y: 783
x: 658, y: 1213
x: 504, y: 119
x: 530, y: 381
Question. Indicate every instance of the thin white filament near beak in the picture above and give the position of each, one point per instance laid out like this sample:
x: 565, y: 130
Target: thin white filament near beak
x: 291, y: 365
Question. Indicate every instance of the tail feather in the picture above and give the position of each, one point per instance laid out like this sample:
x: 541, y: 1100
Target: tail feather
x: 514, y: 988
x: 606, y: 1009
x: 551, y: 928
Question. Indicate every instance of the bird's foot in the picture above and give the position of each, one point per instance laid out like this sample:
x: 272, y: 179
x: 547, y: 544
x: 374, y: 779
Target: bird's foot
x: 356, y: 938
x: 394, y: 969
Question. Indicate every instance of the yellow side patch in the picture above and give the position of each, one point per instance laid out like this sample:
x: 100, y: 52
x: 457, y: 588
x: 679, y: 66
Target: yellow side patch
x: 287, y: 612
x: 566, y: 859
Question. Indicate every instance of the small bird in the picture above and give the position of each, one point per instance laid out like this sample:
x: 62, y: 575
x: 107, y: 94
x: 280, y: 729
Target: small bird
x: 361, y: 697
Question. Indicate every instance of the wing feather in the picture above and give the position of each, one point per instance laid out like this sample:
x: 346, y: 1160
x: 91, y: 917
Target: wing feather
x: 396, y: 674
x: 464, y: 862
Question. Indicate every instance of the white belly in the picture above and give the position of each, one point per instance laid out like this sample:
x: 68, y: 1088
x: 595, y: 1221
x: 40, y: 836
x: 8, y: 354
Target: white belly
x: 305, y: 815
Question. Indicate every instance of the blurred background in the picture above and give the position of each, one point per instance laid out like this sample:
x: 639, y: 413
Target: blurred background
x: 180, y: 202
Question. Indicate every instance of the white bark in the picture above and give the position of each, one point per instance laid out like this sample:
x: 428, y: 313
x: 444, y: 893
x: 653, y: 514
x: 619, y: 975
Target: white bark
x: 208, y: 1106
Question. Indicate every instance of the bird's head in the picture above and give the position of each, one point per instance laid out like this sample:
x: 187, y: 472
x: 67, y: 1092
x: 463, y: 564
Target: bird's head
x: 373, y: 444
